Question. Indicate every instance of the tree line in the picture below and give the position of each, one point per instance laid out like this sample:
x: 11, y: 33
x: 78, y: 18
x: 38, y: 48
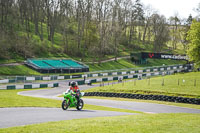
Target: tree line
x: 85, y: 28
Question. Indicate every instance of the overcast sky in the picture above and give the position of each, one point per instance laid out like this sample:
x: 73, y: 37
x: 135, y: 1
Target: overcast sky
x: 169, y: 7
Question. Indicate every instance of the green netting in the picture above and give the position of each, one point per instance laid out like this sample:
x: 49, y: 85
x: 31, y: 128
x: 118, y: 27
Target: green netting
x: 56, y: 63
x: 40, y: 63
x: 72, y: 63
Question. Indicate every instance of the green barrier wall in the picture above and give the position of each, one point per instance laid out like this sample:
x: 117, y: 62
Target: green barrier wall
x: 27, y: 86
x: 43, y: 85
x: 55, y: 85
x: 11, y: 87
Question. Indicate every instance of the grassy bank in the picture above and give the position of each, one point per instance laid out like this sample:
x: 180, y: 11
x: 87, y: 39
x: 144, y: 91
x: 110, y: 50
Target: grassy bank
x: 111, y: 65
x: 186, y: 85
x: 127, y: 63
x: 17, y: 70
x: 145, y: 123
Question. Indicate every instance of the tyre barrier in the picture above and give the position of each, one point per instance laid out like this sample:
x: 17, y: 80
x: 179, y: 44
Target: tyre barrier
x: 146, y: 97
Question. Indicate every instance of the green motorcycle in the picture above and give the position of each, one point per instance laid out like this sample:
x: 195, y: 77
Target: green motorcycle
x: 71, y: 100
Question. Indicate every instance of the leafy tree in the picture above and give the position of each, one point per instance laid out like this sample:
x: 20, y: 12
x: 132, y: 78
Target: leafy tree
x: 194, y: 45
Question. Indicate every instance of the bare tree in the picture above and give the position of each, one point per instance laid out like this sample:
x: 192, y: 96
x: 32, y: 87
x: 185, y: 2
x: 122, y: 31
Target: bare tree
x: 160, y: 31
x: 102, y: 20
x: 136, y: 16
x: 66, y: 7
x: 148, y: 11
x: 116, y: 25
x: 175, y: 23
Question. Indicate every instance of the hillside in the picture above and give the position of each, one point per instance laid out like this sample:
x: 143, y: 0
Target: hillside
x: 111, y: 65
x: 60, y: 29
x: 39, y: 29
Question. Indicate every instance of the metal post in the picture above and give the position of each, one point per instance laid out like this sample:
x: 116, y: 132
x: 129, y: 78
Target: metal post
x: 149, y: 81
x: 178, y: 82
x: 163, y: 82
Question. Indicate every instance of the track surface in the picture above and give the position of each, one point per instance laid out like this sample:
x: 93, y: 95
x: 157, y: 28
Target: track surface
x: 137, y: 106
x: 11, y: 117
x: 23, y: 116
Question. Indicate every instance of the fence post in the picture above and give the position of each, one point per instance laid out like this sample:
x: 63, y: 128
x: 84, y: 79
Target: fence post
x: 163, y: 82
x: 178, y: 82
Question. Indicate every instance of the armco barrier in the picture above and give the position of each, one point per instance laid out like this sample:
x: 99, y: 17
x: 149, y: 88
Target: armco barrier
x: 29, y: 86
x: 146, y: 97
x: 136, y: 75
x: 174, y: 68
x: 133, y: 75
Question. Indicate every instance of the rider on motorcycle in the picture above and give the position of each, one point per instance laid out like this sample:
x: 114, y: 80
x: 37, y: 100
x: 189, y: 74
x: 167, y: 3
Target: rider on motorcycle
x: 75, y: 89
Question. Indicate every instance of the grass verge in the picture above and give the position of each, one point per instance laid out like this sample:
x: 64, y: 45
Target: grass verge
x: 185, y: 85
x: 127, y: 63
x: 145, y: 123
x: 147, y: 101
x: 9, y: 98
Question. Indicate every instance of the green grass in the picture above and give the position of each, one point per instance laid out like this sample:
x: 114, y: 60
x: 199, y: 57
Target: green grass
x: 147, y: 101
x: 145, y: 123
x: 185, y: 88
x: 160, y: 62
x: 120, y: 64
x: 112, y: 65
x: 22, y: 70
x: 9, y: 98
x: 95, y: 107
x: 4, y: 61
x: 17, y: 70
x: 127, y: 63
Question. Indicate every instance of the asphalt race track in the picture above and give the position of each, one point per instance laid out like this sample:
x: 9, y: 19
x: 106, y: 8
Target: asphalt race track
x: 11, y: 117
x: 23, y: 116
x: 137, y: 106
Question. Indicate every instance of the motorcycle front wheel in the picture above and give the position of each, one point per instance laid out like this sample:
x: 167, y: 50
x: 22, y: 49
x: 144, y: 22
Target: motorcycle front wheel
x: 80, y: 104
x: 65, y: 105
